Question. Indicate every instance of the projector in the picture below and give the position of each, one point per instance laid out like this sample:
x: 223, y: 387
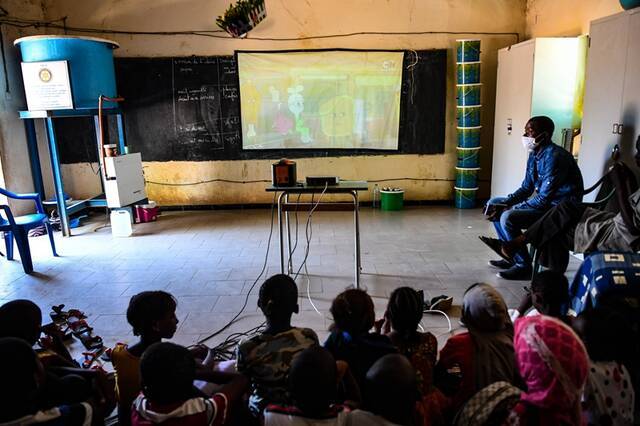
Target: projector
x: 322, y: 180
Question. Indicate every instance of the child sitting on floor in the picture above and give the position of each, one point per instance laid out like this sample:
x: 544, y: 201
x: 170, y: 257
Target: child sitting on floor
x: 266, y: 358
x: 390, y: 394
x: 313, y: 381
x: 169, y: 398
x: 403, y: 315
x: 23, y: 377
x: 350, y: 340
x: 152, y: 314
x: 63, y: 380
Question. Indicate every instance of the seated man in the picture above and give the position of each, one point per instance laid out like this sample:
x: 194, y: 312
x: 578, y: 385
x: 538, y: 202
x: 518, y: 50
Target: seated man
x: 571, y: 225
x: 554, y: 176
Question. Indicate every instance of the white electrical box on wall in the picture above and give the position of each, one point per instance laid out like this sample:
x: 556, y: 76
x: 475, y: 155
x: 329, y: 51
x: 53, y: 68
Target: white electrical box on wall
x: 125, y: 182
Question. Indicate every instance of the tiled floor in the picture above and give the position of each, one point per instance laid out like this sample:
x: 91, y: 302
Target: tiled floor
x: 209, y: 261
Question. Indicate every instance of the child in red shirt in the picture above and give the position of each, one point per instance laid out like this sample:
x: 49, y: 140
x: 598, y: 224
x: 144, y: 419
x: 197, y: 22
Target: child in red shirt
x: 167, y: 372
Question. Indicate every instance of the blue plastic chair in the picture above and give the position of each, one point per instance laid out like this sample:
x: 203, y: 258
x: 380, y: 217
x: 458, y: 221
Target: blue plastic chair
x: 18, y: 226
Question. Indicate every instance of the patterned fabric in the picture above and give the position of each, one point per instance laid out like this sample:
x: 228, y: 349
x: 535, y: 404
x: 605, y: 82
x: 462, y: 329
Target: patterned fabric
x: 608, y: 396
x: 422, y: 355
x: 275, y: 415
x: 604, y: 274
x: 192, y: 412
x: 65, y: 415
x: 482, y: 406
x: 554, y: 364
x: 266, y: 359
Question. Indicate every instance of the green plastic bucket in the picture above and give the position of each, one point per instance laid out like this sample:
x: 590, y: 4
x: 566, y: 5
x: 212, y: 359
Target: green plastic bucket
x: 467, y: 177
x: 467, y: 50
x: 469, y: 137
x: 468, y: 94
x: 468, y: 157
x: 391, y: 200
x: 469, y: 116
x: 465, y: 197
x: 468, y: 72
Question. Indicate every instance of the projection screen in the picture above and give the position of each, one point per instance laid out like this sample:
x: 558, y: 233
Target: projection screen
x: 320, y: 99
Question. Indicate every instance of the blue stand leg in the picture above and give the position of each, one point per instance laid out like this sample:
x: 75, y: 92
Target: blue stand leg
x: 50, y: 234
x: 25, y: 252
x: 34, y: 157
x: 8, y: 243
x: 57, y: 178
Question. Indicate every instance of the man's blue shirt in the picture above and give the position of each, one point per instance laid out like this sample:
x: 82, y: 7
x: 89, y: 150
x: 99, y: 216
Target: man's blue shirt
x: 553, y: 174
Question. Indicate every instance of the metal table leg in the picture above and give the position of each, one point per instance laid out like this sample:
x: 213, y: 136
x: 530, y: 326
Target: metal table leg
x: 57, y: 178
x: 356, y: 222
x: 281, y: 232
x: 288, y: 225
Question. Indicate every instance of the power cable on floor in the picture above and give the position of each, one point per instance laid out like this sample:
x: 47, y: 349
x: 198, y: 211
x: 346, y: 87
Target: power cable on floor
x: 264, y: 267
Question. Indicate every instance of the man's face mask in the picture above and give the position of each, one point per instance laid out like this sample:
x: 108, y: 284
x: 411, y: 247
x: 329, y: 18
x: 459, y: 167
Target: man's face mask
x: 529, y: 143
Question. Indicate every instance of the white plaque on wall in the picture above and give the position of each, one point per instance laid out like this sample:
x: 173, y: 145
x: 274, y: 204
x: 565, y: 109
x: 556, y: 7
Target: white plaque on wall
x: 46, y: 85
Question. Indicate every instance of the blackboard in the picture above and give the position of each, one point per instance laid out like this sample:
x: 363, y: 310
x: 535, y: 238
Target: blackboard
x: 188, y: 109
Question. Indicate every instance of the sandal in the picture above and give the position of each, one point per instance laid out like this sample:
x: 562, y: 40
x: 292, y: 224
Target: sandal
x: 59, y: 315
x: 79, y: 327
x: 106, y: 355
x: 90, y: 341
x: 90, y: 357
x: 54, y: 330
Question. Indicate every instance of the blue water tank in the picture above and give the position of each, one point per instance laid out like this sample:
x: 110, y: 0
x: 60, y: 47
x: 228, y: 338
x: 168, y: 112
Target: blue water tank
x: 629, y: 4
x: 90, y: 61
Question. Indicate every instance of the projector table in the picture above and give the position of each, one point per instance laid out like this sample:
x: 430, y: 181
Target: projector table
x: 285, y: 206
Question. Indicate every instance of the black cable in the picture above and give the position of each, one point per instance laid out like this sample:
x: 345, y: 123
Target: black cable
x: 206, y: 181
x: 309, y: 230
x: 23, y: 23
x: 264, y: 267
x: 202, y: 182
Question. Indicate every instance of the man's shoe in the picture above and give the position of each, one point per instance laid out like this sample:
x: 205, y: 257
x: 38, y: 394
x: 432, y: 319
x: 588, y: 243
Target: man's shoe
x: 516, y: 272
x: 495, y: 245
x: 500, y: 264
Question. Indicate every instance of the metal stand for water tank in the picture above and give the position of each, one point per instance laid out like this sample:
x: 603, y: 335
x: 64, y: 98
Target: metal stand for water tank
x: 64, y: 209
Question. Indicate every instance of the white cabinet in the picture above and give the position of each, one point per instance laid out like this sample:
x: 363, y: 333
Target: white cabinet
x: 612, y: 93
x: 542, y: 76
x: 125, y: 182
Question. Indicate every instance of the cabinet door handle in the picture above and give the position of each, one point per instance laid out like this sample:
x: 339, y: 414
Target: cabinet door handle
x: 620, y: 128
x: 615, y: 128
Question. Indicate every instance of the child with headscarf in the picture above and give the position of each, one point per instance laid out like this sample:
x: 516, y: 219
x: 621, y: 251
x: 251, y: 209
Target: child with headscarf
x: 553, y: 363
x: 484, y: 354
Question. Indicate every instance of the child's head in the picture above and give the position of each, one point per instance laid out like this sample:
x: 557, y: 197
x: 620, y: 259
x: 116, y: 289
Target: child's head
x: 606, y: 333
x: 21, y: 319
x: 153, y: 313
x: 22, y: 375
x: 405, y: 310
x: 167, y: 372
x: 353, y: 312
x: 550, y: 293
x: 312, y: 380
x: 390, y: 389
x: 278, y: 298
